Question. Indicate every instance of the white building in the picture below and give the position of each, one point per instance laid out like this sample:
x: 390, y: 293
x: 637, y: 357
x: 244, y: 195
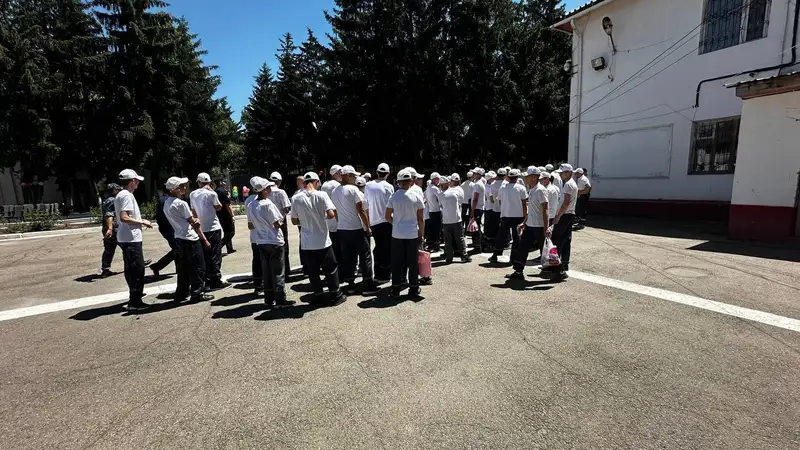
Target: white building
x: 651, y: 116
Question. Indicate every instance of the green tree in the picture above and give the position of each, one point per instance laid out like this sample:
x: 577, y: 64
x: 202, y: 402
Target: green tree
x: 258, y: 127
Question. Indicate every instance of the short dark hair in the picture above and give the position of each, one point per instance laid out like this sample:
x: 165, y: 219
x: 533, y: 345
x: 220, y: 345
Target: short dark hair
x: 219, y: 181
x: 125, y: 183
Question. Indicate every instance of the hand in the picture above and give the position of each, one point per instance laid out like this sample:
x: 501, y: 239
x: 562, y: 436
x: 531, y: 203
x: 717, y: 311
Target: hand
x: 368, y: 232
x: 521, y: 228
x: 548, y: 232
x: 421, y: 242
x: 233, y: 219
x: 206, y: 244
x: 555, y: 221
x: 147, y: 224
x: 108, y: 233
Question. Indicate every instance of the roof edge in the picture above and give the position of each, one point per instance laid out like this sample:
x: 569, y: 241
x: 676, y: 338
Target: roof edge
x: 565, y: 25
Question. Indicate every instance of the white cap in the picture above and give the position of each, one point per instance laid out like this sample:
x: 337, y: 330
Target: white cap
x: 479, y: 171
x: 565, y: 168
x: 544, y: 175
x: 548, y: 167
x: 533, y: 170
x: 455, y: 177
x: 470, y: 173
x: 404, y: 175
x: 175, y: 183
x: 502, y: 171
x: 259, y: 184
x: 491, y: 174
x: 444, y: 179
x: 419, y: 175
x: 203, y: 177
x: 335, y: 168
x: 311, y: 176
x: 513, y: 173
x: 367, y: 175
x: 349, y: 170
x: 542, y: 169
x: 129, y: 174
x: 435, y: 175
x: 579, y: 171
x: 383, y: 168
x: 275, y: 176
x: 360, y: 181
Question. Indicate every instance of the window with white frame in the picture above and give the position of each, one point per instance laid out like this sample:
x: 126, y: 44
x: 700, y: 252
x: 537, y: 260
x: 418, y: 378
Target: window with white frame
x: 732, y: 22
x: 714, y: 146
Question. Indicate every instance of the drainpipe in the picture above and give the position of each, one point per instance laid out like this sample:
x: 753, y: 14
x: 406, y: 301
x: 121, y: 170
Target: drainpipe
x: 761, y: 69
x: 579, y: 91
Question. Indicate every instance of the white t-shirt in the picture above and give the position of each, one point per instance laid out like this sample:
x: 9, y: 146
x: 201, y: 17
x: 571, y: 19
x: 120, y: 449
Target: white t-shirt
x: 466, y: 186
x: 461, y: 192
x: 404, y: 205
x: 346, y: 199
x: 479, y: 187
x: 570, y: 188
x: 310, y: 208
x: 553, y: 195
x: 328, y: 187
x: 451, y: 205
x: 418, y: 191
x: 557, y: 181
x: 250, y: 199
x: 583, y: 182
x: 204, y: 202
x: 539, y: 196
x: 432, y: 196
x: 178, y: 213
x: 263, y: 214
x: 280, y: 199
x: 494, y: 191
x: 510, y: 200
x: 125, y: 201
x: 376, y: 195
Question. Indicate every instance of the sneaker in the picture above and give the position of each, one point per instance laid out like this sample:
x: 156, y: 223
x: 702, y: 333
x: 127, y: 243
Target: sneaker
x: 448, y: 261
x: 284, y: 304
x: 221, y: 285
x: 231, y: 251
x: 137, y: 306
x: 560, y: 276
x: 202, y: 298
x: 156, y: 272
x: 493, y: 259
x: 466, y: 259
x: 516, y: 276
x: 414, y: 292
x: 350, y: 288
x: 337, y: 299
x: 369, y: 288
x: 380, y: 281
x: 427, y: 281
x: 107, y: 273
x: 396, y: 292
x: 258, y: 290
x: 147, y: 262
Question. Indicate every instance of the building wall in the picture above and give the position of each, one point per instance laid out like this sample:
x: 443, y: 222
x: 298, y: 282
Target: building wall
x: 766, y: 181
x: 624, y: 139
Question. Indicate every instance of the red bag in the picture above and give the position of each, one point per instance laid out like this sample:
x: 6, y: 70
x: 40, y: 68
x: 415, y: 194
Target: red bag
x: 424, y: 264
x: 472, y: 227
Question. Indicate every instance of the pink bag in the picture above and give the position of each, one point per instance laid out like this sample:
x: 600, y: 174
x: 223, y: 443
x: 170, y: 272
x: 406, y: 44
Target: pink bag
x: 472, y: 227
x: 424, y: 264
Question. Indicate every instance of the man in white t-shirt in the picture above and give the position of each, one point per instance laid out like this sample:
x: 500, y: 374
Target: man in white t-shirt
x: 354, y: 232
x: 451, y: 199
x: 281, y: 200
x: 129, y: 237
x: 565, y: 217
x: 582, y: 206
x: 255, y: 265
x: 478, y: 205
x: 300, y: 187
x: 433, y: 226
x: 190, y: 260
x: 310, y: 208
x: 266, y: 220
x: 404, y: 212
x: 552, y: 195
x: 205, y: 204
x: 535, y: 228
x: 328, y: 187
x: 556, y: 179
x: 512, y: 202
x: 377, y: 194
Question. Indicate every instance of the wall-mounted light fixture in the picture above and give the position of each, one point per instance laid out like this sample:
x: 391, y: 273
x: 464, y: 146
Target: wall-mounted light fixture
x: 599, y: 63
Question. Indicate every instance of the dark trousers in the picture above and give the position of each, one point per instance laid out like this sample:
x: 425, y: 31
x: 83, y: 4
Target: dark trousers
x: 324, y: 261
x: 404, y: 262
x: 287, y: 268
x: 465, y: 209
x: 382, y: 233
x: 433, y: 228
x: 213, y: 257
x: 337, y: 247
x: 256, y: 265
x: 355, y: 249
x: 272, y: 266
x: 229, y: 230
x: 562, y: 238
x: 492, y: 225
x: 453, y: 240
x: 581, y: 209
x: 507, y: 225
x: 134, y: 270
x: 109, y: 249
x: 477, y: 237
x: 300, y: 249
x: 169, y: 257
x: 531, y: 238
x: 190, y: 264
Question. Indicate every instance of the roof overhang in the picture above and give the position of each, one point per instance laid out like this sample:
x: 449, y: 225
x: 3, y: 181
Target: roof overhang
x: 762, y: 87
x: 565, y: 24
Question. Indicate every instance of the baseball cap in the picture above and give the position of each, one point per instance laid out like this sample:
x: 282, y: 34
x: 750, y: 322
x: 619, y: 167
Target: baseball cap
x: 419, y: 175
x: 275, y: 176
x: 349, y: 170
x: 513, y: 173
x: 565, y: 168
x: 435, y: 175
x: 130, y: 174
x: 253, y: 180
x: 444, y: 179
x: 260, y: 183
x: 383, y: 168
x: 542, y: 169
x: 479, y: 171
x: 491, y: 174
x: 548, y: 167
x: 545, y: 175
x: 360, y: 181
x: 533, y: 170
x: 404, y: 175
x: 175, y: 182
x: 335, y: 168
x: 579, y: 171
x: 203, y: 177
x: 310, y: 176
x: 470, y: 173
x: 367, y: 175
x: 455, y: 177
x: 114, y: 187
x: 502, y: 171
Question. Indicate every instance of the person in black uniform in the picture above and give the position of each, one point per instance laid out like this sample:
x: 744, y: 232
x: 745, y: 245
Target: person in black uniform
x: 165, y: 228
x: 225, y: 216
x: 109, y: 229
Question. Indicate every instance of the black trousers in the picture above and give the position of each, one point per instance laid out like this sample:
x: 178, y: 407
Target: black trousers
x: 256, y: 265
x: 433, y: 228
x: 321, y: 261
x: 169, y: 257
x: 213, y: 257
x: 562, y: 238
x: 190, y: 264
x: 337, y: 247
x: 454, y: 242
x: 109, y: 249
x: 582, y: 209
x: 465, y: 209
x: 382, y: 233
x: 229, y: 229
x: 404, y: 262
x: 477, y: 237
x: 492, y: 225
x: 355, y: 249
x: 134, y: 270
x: 287, y: 268
x: 272, y: 266
x: 531, y: 238
x: 507, y: 225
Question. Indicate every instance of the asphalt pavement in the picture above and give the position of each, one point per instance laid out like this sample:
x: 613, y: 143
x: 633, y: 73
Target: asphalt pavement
x: 636, y: 357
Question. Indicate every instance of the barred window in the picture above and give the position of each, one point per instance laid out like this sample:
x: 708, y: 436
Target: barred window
x: 714, y: 146
x: 732, y: 22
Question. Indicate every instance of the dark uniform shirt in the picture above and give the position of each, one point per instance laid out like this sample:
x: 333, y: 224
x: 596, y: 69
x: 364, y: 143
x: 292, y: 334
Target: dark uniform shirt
x: 164, y: 227
x: 225, y: 199
x: 108, y: 211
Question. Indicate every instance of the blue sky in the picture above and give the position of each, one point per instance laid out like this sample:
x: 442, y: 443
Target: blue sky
x: 240, y: 35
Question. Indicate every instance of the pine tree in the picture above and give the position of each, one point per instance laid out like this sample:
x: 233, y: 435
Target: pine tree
x: 258, y: 126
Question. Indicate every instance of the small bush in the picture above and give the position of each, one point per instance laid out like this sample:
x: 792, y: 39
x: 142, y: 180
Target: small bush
x: 148, y: 210
x: 42, y: 220
x: 239, y: 210
x: 18, y: 227
x: 97, y: 214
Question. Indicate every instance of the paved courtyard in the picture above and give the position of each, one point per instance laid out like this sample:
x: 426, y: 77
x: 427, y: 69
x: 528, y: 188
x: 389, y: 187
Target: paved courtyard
x: 664, y: 337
